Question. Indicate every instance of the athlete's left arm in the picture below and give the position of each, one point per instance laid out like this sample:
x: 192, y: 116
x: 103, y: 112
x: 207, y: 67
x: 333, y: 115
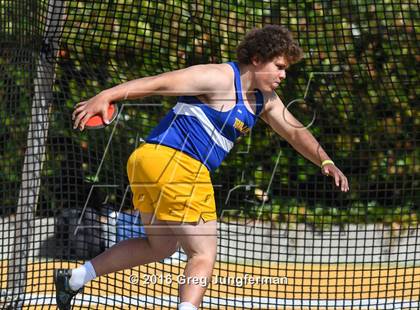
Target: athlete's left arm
x: 276, y: 115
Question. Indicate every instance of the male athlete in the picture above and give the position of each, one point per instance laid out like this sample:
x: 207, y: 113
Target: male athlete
x: 170, y: 174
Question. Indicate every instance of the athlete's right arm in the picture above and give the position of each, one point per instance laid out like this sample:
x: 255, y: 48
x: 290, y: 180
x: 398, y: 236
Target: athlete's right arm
x: 195, y: 80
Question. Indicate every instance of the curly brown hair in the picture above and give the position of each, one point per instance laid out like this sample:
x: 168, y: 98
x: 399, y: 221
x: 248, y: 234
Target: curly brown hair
x: 269, y: 42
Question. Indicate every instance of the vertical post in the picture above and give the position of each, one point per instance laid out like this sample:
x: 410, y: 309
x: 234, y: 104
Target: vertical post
x: 34, y: 154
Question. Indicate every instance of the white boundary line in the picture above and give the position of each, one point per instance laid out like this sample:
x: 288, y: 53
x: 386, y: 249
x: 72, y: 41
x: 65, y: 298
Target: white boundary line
x: 244, y: 302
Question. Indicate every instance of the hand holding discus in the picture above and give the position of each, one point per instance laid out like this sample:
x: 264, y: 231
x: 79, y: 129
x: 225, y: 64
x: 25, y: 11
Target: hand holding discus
x: 95, y: 113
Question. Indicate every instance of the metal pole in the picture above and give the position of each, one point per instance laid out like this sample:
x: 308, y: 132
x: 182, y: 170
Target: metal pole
x: 34, y: 154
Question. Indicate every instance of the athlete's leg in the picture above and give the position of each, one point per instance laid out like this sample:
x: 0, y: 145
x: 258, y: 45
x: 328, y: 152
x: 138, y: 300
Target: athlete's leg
x: 159, y: 244
x: 199, y: 242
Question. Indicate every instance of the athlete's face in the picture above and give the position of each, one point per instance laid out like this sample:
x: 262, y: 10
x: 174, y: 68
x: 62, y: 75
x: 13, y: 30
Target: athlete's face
x: 270, y: 74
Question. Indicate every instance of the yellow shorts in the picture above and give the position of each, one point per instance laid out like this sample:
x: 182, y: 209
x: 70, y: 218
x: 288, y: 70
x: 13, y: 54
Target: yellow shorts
x: 170, y: 184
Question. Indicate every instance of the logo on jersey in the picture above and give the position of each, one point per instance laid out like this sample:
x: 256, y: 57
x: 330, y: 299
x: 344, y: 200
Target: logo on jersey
x: 239, y: 125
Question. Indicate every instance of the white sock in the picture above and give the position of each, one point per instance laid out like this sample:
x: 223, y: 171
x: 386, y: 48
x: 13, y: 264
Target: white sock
x: 82, y: 275
x: 186, y: 306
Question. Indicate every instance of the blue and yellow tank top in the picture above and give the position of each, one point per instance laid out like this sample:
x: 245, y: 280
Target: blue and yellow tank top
x: 202, y: 132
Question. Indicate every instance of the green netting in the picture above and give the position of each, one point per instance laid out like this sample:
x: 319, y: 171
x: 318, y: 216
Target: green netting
x: 279, y: 217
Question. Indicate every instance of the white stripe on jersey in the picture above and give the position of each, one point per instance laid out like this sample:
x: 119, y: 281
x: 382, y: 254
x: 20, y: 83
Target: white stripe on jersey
x: 182, y: 108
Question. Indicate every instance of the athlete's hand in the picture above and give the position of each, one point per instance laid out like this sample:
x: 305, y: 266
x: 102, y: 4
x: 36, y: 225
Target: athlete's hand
x: 86, y: 109
x: 339, y: 177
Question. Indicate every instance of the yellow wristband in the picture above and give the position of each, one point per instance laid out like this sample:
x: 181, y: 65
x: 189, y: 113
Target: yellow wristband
x: 326, y: 162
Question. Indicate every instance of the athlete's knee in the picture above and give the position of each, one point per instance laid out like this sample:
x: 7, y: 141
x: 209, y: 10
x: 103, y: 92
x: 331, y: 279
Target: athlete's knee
x: 169, y: 251
x: 202, y: 258
x: 163, y: 249
x: 202, y: 252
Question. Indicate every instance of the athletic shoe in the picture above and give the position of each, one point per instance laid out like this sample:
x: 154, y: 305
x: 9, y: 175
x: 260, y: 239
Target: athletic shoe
x: 63, y: 293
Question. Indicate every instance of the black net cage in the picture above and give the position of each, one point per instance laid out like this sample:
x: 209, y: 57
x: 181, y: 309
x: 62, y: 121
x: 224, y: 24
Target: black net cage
x: 287, y: 238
